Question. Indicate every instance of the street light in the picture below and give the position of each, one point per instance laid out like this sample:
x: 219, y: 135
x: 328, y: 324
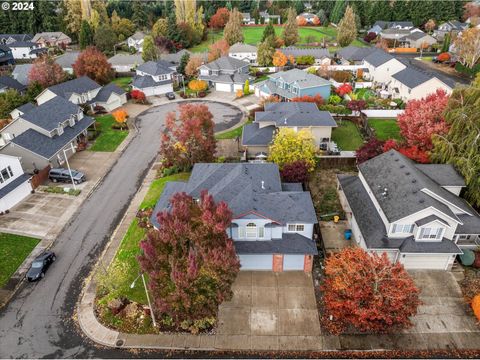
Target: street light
x: 68, y: 165
x: 132, y: 285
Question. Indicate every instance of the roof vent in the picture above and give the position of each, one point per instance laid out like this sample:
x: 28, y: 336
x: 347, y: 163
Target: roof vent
x: 285, y: 121
x: 421, y: 201
x: 396, y: 159
x: 414, y: 181
x: 385, y: 192
x: 402, y: 166
x: 407, y: 173
x: 263, y: 185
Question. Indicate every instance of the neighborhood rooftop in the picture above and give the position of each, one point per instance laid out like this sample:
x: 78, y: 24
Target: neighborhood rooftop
x: 226, y: 63
x: 76, y: 86
x: 154, y: 68
x: 302, y: 78
x: 295, y: 114
x: 316, y: 52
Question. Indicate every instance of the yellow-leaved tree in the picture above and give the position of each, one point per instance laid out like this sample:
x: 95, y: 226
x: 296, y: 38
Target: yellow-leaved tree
x: 289, y: 146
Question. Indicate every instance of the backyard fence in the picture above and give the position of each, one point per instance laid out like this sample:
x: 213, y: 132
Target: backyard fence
x: 382, y: 113
x: 334, y: 162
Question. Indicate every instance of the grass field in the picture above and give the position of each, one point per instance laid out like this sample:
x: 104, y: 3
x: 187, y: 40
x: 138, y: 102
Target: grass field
x: 253, y: 35
x: 347, y: 136
x: 13, y: 251
x: 385, y: 128
x: 109, y: 138
x: 123, y: 82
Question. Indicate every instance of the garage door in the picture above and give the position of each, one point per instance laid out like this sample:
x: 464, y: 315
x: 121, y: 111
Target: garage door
x: 256, y: 262
x: 293, y: 262
x: 433, y: 262
x: 223, y: 87
x: 113, y: 104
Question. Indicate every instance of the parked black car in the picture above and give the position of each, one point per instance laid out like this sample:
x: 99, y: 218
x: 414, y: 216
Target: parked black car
x: 40, y: 266
x: 170, y: 96
x: 63, y: 175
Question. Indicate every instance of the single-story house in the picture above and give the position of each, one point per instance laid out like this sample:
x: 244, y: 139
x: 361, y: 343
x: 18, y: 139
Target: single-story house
x: 7, y: 83
x: 20, y: 73
x: 267, y: 18
x: 247, y: 19
x: 256, y: 137
x: 244, y: 52
x: 14, y: 183
x: 125, y: 62
x: 226, y: 74
x: 55, y: 38
x: 419, y: 40
x: 411, y: 212
x: 352, y: 54
x: 11, y: 38
x: 6, y: 56
x: 67, y: 60
x: 321, y: 55
x: 154, y: 78
x: 293, y: 83
x: 405, y: 25
x: 272, y: 223
x: 410, y: 83
x: 26, y: 50
x: 136, y: 41
x: 381, y: 66
x: 175, y: 58
x: 110, y: 97
x: 450, y: 27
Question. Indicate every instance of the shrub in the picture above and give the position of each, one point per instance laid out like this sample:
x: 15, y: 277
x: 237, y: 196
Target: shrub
x: 197, y: 85
x: 305, y: 60
x: 476, y: 306
x: 171, y: 170
x: 342, y: 76
x: 370, y: 37
x: 335, y: 109
x: 295, y: 172
x: 138, y: 96
x: 344, y: 89
x: 334, y: 99
x: 202, y: 94
x: 443, y: 57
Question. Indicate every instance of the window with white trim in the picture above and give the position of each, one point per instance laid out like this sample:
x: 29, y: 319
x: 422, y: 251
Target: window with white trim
x: 295, y: 227
x: 251, y: 231
x: 6, y: 174
x: 427, y: 233
x: 241, y: 232
x: 402, y: 228
x: 261, y: 232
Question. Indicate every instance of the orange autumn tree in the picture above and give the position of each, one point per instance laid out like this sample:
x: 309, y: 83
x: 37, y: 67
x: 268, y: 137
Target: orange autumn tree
x: 120, y: 116
x: 197, y: 85
x: 279, y: 59
x: 476, y: 306
x: 367, y: 292
x: 301, y: 21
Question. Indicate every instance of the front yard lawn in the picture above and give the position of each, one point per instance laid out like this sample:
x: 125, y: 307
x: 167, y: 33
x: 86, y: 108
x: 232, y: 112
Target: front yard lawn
x: 231, y: 134
x: 109, y: 138
x: 13, y: 251
x: 123, y: 82
x: 347, y: 136
x: 385, y: 128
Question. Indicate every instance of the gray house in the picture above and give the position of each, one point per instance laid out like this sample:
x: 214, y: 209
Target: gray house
x: 8, y: 83
x: 154, y: 78
x: 20, y: 73
x: 67, y: 60
x: 411, y: 212
x: 272, y: 226
x: 321, y: 56
x: 226, y: 73
x: 41, y: 133
x: 256, y: 137
x: 450, y: 27
x: 352, y: 54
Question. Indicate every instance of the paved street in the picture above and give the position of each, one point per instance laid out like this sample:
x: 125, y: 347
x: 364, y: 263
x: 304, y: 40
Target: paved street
x: 38, y: 321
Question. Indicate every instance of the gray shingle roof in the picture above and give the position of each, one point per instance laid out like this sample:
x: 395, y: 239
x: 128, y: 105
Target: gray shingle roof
x: 16, y: 37
x: 316, y: 52
x: 416, y: 35
x: 6, y: 82
x: 51, y: 113
x: 159, y: 67
x: 411, y: 77
x: 175, y: 58
x: 26, y: 107
x: 226, y: 63
x: 22, y: 44
x: 442, y: 174
x: 429, y: 219
x: 291, y: 243
x: 378, y: 57
x: 7, y: 189
x: 104, y: 94
x: 242, y: 48
x: 252, y: 135
x: 68, y: 59
x: 355, y: 53
x: 126, y: 59
x: 227, y: 79
x: 142, y: 82
x: 76, y: 86
x: 389, y: 24
x: 51, y: 36
x: 47, y: 147
x: 295, y: 114
x: 470, y: 224
x: 302, y: 78
x: 20, y: 73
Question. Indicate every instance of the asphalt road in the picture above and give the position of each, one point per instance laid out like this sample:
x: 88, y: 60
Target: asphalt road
x: 38, y: 322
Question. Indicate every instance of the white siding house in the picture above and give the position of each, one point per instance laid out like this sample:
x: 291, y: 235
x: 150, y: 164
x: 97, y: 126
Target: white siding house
x: 381, y: 66
x: 14, y: 183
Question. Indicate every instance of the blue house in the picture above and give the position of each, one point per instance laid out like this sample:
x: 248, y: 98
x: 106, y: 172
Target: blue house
x: 293, y: 83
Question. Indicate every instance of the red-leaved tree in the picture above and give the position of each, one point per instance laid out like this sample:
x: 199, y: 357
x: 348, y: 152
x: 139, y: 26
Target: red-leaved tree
x: 218, y: 49
x: 93, y: 63
x: 344, y: 89
x: 190, y: 138
x: 367, y: 292
x: 412, y: 152
x: 370, y: 36
x: 46, y: 72
x: 219, y: 19
x: 369, y: 150
x: 190, y: 261
x: 317, y: 99
x: 295, y: 172
x: 424, y: 118
x: 138, y: 96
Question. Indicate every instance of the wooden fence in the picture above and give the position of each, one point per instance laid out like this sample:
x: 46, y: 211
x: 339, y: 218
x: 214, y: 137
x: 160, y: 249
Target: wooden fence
x: 40, y: 177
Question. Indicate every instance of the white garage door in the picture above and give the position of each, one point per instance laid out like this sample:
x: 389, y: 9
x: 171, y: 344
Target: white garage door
x: 256, y: 262
x: 223, y: 87
x: 432, y: 262
x: 293, y: 262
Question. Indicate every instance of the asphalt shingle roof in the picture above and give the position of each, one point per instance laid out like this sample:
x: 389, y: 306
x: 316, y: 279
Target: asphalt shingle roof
x: 47, y: 147
x: 411, y: 77
x: 291, y: 243
x: 51, y: 113
x: 442, y: 174
x: 316, y: 52
x: 295, y: 114
x: 19, y: 44
x: 355, y: 53
x: 226, y: 63
x: 378, y: 57
x: 16, y: 37
x: 175, y: 58
x: 7, y: 189
x: 26, y: 107
x: 104, y: 94
x: 252, y: 135
x: 6, y: 82
x: 126, y: 59
x: 242, y: 48
x: 20, y: 73
x: 68, y: 59
x: 76, y: 86
x: 142, y: 82
x: 154, y: 68
x: 429, y: 219
x: 302, y: 78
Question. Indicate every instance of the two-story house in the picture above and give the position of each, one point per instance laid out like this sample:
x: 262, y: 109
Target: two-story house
x: 55, y: 38
x: 450, y: 27
x: 9, y: 83
x: 136, y: 41
x: 411, y: 83
x: 411, y: 212
x: 244, y: 52
x: 6, y: 56
x: 40, y: 134
x: 26, y: 50
x: 381, y: 66
x: 257, y: 136
x: 14, y: 183
x: 154, y: 77
x: 272, y: 225
x: 321, y: 56
x: 225, y: 74
x: 293, y: 83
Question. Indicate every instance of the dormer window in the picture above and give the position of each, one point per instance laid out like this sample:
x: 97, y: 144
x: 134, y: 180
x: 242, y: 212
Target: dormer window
x: 251, y: 230
x: 60, y: 129
x: 402, y: 228
x: 431, y: 233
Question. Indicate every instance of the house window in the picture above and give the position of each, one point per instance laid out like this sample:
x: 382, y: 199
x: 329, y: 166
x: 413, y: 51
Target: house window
x: 261, y: 232
x: 6, y: 174
x: 430, y: 233
x: 251, y: 231
x: 402, y: 228
x: 241, y: 232
x: 295, y: 227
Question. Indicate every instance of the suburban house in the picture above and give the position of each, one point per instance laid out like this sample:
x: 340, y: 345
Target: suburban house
x: 272, y: 226
x: 411, y: 83
x: 419, y: 40
x: 40, y: 136
x: 67, y: 60
x: 26, y: 50
x: 225, y: 74
x: 244, y: 52
x: 125, y: 62
x: 450, y: 27
x: 110, y: 97
x: 7, y: 83
x: 247, y: 19
x: 14, y: 183
x: 136, y: 41
x: 267, y: 18
x: 381, y: 66
x: 17, y: 112
x: 403, y: 25
x: 11, y: 38
x: 321, y: 56
x: 154, y: 78
x: 410, y: 211
x: 309, y: 17
x: 20, y: 73
x: 293, y: 83
x: 6, y: 56
x: 352, y: 55
x: 257, y: 136
x: 175, y: 58
x: 56, y: 38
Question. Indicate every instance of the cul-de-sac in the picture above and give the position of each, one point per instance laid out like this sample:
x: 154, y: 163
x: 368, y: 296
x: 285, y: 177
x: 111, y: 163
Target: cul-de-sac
x: 240, y: 179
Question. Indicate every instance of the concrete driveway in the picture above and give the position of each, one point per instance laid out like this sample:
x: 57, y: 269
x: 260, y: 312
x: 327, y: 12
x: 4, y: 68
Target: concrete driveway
x: 270, y: 311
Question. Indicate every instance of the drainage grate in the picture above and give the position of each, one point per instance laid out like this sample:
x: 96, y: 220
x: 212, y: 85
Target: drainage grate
x: 119, y: 343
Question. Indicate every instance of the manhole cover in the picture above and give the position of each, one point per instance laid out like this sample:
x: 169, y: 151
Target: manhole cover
x: 120, y: 342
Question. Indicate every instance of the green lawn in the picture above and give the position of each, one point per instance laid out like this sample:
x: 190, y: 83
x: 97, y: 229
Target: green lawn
x: 231, y: 134
x: 385, y: 128
x: 109, y: 138
x: 123, y: 82
x: 347, y: 136
x: 126, y: 257
x: 13, y: 251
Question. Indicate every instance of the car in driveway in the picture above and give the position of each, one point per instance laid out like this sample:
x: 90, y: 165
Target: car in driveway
x: 40, y: 266
x: 170, y: 96
x: 63, y: 175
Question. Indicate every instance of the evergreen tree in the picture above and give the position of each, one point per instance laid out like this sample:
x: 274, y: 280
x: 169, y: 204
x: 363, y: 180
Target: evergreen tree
x: 446, y: 43
x: 183, y: 63
x: 290, y: 29
x: 378, y: 10
x: 233, y: 29
x: 347, y: 29
x: 105, y: 39
x: 338, y: 11
x: 265, y: 51
x: 400, y: 10
x: 139, y: 15
x: 149, y: 52
x: 85, y: 37
x: 268, y: 31
x: 323, y: 17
